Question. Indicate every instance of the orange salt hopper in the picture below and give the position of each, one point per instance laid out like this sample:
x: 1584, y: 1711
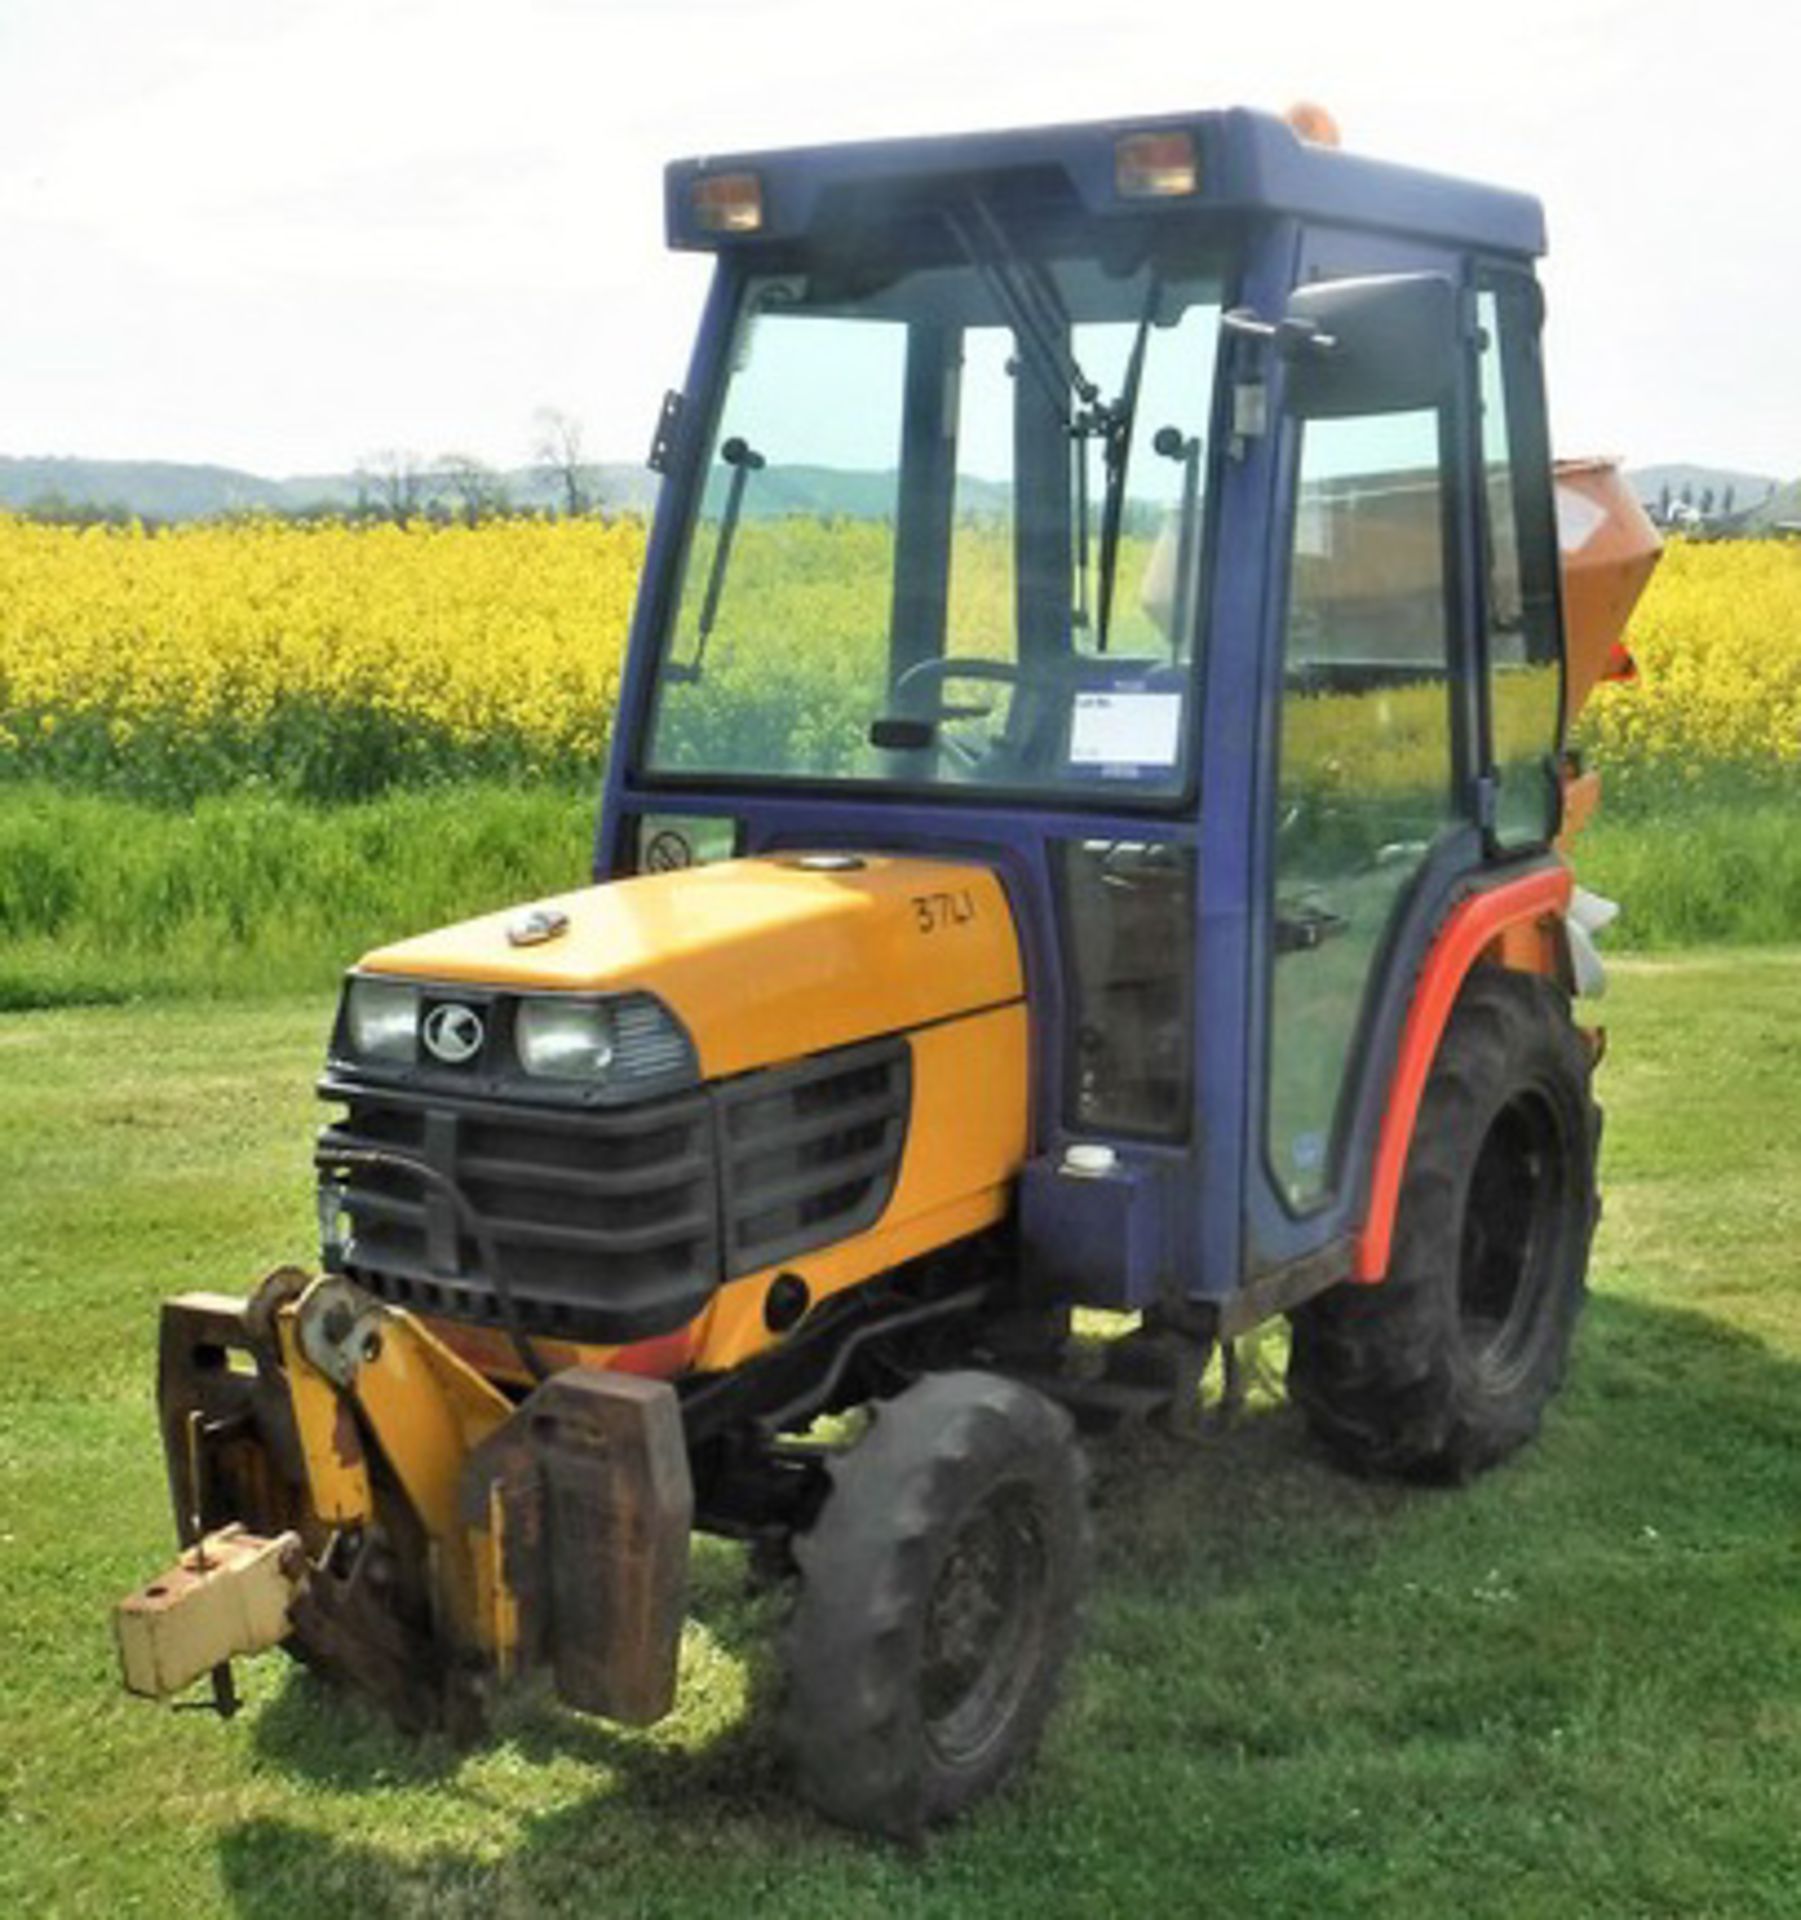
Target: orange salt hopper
x: 1610, y: 550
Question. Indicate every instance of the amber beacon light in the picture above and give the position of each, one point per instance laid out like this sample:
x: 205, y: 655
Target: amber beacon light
x: 1313, y: 123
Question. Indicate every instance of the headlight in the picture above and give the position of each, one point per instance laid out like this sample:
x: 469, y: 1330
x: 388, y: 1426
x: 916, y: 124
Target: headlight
x: 615, y: 1042
x: 564, y: 1040
x: 381, y: 1020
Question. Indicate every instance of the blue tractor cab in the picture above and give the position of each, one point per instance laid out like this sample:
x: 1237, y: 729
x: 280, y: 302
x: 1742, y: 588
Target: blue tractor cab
x: 1146, y: 509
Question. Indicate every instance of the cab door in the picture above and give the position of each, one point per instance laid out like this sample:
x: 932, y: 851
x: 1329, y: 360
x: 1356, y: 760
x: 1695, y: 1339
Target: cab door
x: 1371, y: 793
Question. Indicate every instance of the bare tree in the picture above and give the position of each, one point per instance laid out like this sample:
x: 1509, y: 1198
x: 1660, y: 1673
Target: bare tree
x: 479, y: 492
x: 558, y: 450
x: 394, y: 480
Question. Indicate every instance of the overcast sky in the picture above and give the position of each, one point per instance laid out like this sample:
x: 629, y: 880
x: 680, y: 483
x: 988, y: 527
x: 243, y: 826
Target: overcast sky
x: 281, y: 234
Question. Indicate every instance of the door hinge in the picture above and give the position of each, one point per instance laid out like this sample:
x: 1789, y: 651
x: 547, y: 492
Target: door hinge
x: 662, y: 441
x: 1488, y: 801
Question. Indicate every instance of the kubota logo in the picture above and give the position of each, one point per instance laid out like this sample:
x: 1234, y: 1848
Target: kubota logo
x: 453, y: 1033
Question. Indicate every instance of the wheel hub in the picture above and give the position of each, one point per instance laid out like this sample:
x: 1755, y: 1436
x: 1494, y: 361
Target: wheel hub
x: 1510, y: 1229
x: 983, y: 1626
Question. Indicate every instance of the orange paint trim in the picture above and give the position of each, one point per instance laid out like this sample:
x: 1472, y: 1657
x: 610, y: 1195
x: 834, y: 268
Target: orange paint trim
x: 490, y: 1351
x: 1471, y: 928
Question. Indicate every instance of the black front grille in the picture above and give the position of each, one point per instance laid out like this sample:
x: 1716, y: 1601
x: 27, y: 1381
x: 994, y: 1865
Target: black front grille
x: 613, y: 1224
x: 810, y: 1152
x: 605, y: 1222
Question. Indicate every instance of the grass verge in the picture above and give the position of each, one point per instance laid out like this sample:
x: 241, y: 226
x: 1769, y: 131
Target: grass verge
x: 1705, y: 870
x: 104, y: 899
x: 1573, y: 1688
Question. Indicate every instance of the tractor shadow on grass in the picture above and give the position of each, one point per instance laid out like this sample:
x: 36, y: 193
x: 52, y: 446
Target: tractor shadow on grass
x: 1256, y: 1615
x: 321, y: 1733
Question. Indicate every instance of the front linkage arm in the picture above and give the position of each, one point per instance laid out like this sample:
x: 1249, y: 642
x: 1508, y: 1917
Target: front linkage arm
x: 342, y: 1480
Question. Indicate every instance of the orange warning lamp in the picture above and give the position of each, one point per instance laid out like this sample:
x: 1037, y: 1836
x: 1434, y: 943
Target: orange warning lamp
x: 1313, y: 123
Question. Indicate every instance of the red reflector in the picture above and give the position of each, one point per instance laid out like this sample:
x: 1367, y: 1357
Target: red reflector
x: 727, y: 202
x: 1154, y: 165
x: 1620, y: 664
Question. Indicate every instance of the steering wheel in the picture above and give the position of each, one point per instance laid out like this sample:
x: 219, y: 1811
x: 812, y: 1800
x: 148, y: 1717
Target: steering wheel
x: 932, y: 673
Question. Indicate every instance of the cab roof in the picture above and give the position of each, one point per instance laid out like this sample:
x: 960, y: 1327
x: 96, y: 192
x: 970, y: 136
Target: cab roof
x: 1249, y: 162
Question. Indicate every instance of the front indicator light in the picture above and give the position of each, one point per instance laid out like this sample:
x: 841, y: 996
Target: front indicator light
x: 1155, y: 166
x: 727, y: 202
x: 381, y: 1020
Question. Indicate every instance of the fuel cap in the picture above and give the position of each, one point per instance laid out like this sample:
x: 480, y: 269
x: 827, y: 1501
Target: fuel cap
x: 536, y: 925
x: 830, y: 862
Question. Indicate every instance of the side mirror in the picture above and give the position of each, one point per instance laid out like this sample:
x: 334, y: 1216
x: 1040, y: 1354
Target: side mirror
x: 1387, y: 343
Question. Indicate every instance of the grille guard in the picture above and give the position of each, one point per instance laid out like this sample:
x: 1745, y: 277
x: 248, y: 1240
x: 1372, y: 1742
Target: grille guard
x: 608, y: 1226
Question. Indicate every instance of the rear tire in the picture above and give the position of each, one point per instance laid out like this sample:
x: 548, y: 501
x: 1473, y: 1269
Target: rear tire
x: 1446, y: 1366
x: 939, y: 1598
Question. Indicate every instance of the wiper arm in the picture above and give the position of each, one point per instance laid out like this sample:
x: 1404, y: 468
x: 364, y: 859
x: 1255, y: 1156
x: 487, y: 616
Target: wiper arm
x: 1028, y: 298
x: 744, y: 460
x: 1116, y: 424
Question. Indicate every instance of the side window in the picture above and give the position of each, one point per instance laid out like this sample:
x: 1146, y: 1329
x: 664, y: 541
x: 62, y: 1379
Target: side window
x: 1128, y: 914
x: 1365, y: 781
x: 1525, y: 673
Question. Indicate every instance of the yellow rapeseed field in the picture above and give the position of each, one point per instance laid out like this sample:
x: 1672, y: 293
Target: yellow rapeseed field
x: 1718, y: 641
x: 336, y: 659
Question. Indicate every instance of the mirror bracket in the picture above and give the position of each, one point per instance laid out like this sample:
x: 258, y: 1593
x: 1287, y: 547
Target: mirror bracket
x: 1294, y: 336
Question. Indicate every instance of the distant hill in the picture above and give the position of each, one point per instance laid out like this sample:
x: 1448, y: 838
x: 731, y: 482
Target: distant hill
x: 160, y: 489
x: 1747, y: 488
x: 169, y: 490
x: 843, y: 493
x: 173, y: 490
x: 1777, y: 512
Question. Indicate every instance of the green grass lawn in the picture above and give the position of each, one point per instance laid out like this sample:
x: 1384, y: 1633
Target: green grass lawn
x: 1574, y: 1688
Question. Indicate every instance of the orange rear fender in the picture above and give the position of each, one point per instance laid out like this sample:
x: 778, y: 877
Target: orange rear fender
x: 1514, y: 923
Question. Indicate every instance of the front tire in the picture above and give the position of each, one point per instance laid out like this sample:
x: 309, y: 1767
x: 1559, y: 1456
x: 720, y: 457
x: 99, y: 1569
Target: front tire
x: 1445, y: 1367
x: 939, y: 1597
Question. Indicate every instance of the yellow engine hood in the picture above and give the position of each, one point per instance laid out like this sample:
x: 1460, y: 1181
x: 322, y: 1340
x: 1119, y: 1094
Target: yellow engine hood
x: 761, y: 960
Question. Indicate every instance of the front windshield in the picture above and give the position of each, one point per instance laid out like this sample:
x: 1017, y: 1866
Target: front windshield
x: 951, y: 529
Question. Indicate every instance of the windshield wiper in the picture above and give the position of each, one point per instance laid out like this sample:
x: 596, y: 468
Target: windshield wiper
x: 1116, y: 451
x: 1026, y: 294
x: 744, y: 460
x: 1031, y: 304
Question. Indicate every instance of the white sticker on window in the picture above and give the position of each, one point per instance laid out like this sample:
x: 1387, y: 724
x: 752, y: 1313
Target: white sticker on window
x: 1125, y: 730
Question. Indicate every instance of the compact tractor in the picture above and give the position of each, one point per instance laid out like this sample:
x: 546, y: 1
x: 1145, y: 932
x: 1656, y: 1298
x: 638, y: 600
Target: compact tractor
x: 1082, y: 833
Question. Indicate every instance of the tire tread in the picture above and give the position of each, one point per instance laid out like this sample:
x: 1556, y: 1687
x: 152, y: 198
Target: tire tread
x: 1375, y: 1369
